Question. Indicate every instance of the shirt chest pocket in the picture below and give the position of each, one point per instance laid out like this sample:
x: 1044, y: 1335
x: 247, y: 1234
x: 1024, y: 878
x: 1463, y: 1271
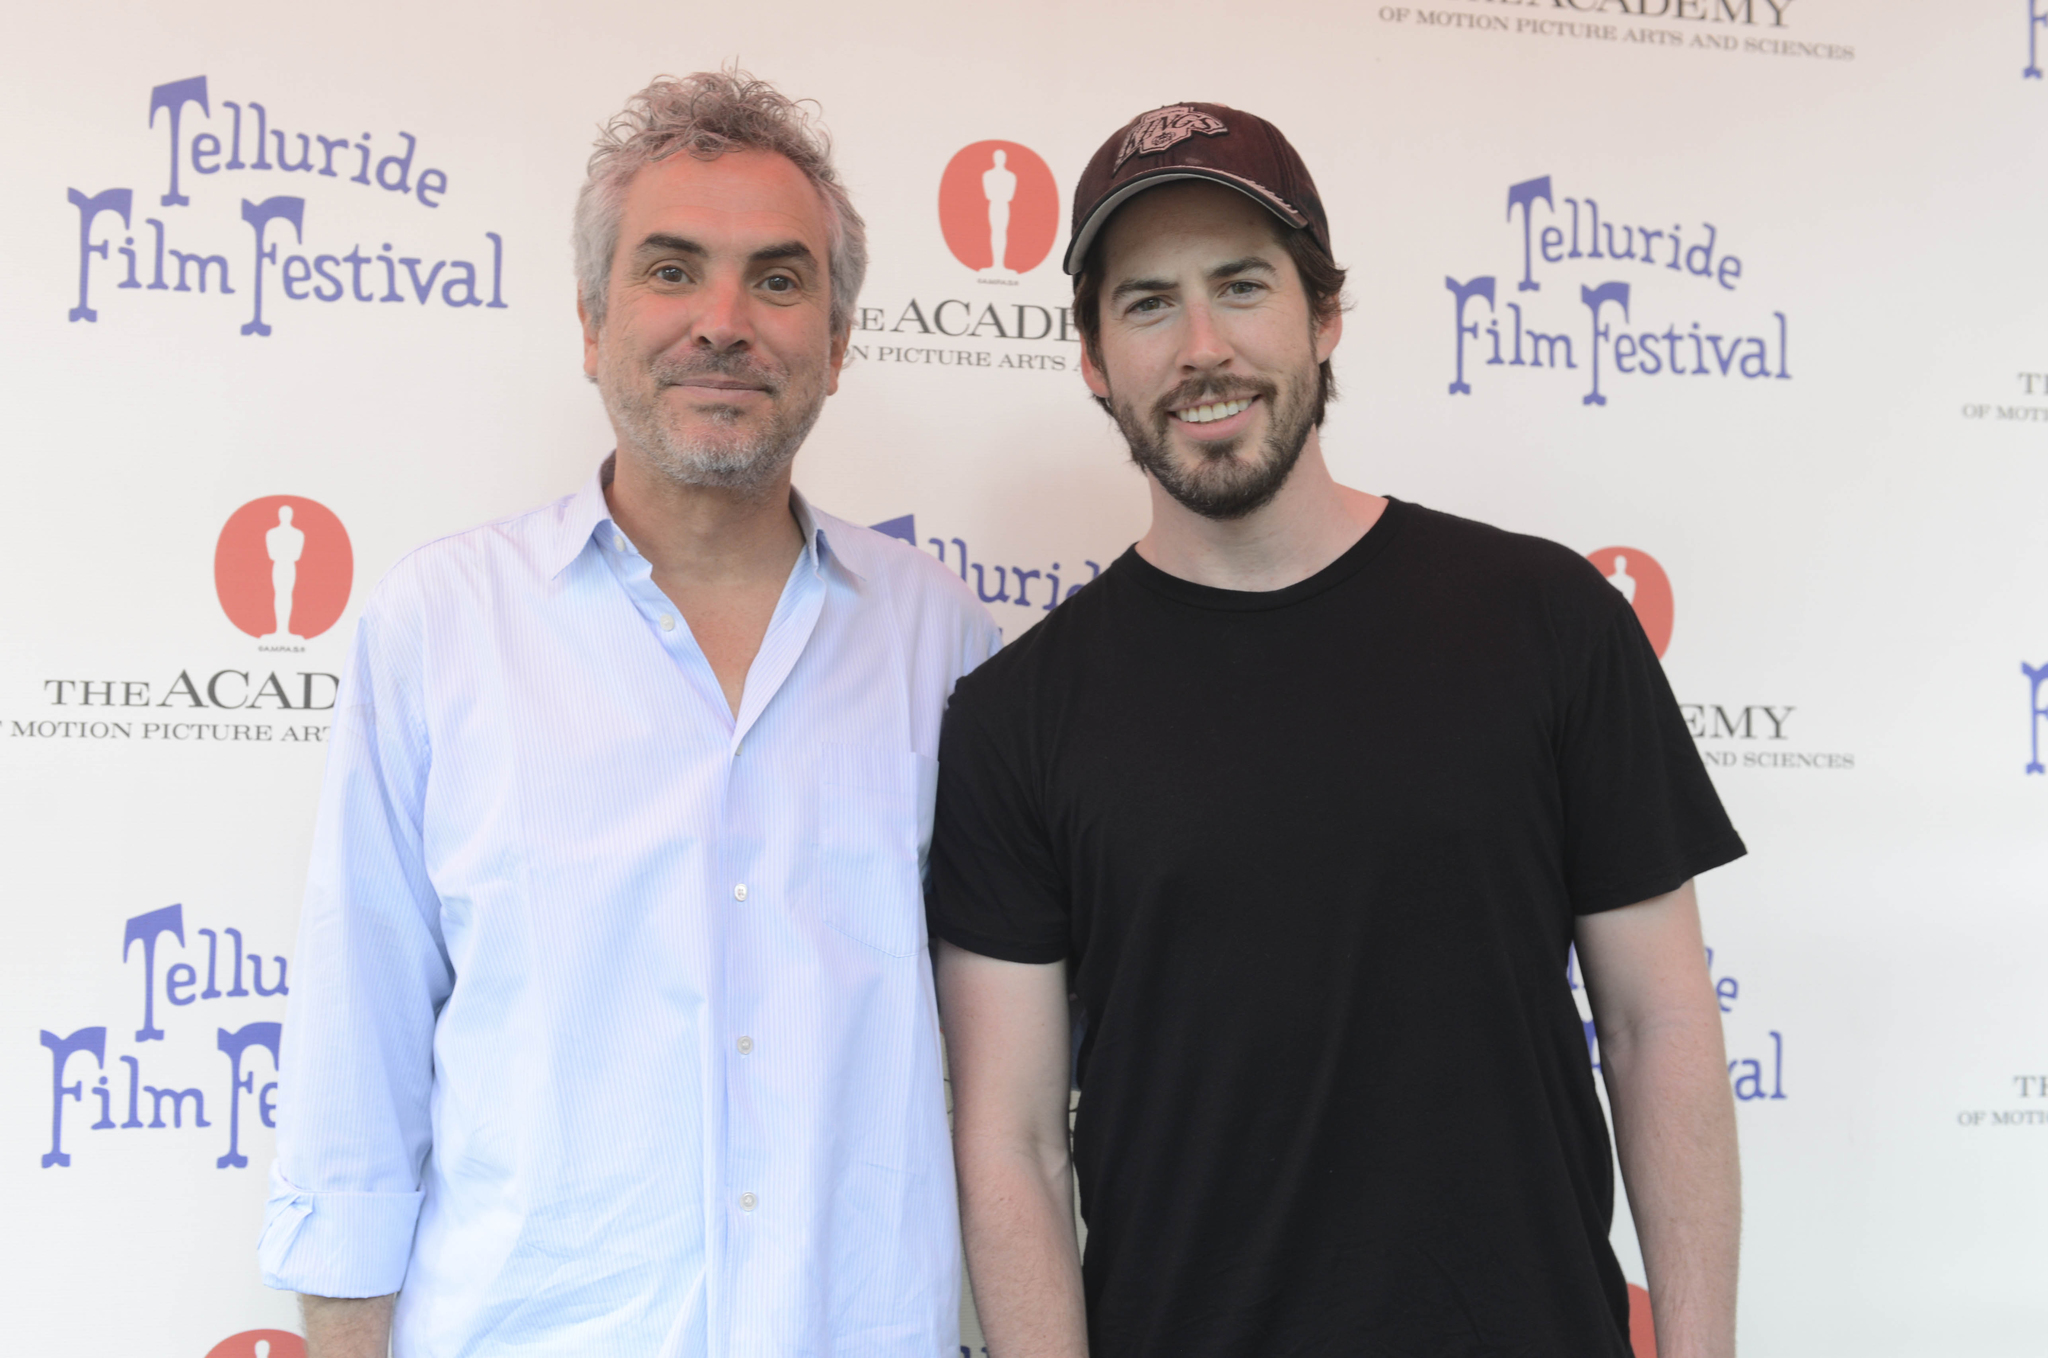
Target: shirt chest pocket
x: 874, y: 822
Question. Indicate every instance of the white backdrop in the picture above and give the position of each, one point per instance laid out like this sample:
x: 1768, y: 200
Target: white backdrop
x: 1849, y: 511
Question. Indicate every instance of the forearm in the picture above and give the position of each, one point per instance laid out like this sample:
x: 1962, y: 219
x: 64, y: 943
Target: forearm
x: 347, y: 1327
x: 1006, y: 1040
x: 1017, y: 1217
x: 1674, y: 1129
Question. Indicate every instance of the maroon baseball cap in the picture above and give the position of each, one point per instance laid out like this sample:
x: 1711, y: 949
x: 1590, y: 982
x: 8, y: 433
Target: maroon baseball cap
x: 1195, y: 141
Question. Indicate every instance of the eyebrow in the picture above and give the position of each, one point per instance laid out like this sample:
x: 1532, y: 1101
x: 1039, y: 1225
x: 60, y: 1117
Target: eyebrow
x: 683, y: 245
x: 789, y: 249
x: 1131, y: 285
x: 1249, y: 264
x: 1228, y: 269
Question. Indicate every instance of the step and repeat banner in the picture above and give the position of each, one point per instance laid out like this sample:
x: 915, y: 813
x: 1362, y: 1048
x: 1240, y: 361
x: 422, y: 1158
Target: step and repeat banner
x: 1743, y: 299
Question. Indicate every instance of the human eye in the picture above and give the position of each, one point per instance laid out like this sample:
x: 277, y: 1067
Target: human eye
x: 781, y: 284
x: 670, y: 272
x: 1243, y: 289
x: 1145, y: 306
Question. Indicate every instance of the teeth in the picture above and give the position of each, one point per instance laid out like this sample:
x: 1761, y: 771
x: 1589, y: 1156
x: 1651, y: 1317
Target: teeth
x: 1216, y: 410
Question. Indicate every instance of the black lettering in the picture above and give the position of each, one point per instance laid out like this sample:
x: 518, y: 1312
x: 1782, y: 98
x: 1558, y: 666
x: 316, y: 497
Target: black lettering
x: 183, y: 684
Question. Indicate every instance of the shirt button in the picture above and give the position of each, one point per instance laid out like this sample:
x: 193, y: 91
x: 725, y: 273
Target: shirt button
x: 739, y: 893
x: 746, y: 1046
x: 619, y: 541
x: 747, y: 1201
x: 668, y: 623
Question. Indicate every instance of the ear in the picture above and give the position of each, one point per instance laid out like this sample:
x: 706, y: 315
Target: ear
x: 589, y: 336
x: 1327, y: 333
x: 1092, y: 374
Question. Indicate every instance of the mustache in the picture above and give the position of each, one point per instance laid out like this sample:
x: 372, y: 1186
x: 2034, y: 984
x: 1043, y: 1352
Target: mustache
x: 1205, y: 390
x: 674, y: 371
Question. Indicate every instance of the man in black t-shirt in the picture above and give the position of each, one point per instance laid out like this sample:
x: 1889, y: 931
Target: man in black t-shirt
x: 1303, y: 802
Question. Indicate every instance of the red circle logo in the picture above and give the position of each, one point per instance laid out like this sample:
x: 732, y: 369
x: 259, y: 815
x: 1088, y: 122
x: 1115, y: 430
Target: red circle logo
x: 999, y: 207
x: 259, y: 1344
x: 283, y: 567
x: 1643, y: 583
x: 1642, y: 1330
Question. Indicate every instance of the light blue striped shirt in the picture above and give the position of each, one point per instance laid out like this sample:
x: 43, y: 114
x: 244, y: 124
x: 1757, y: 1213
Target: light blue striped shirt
x: 612, y: 1027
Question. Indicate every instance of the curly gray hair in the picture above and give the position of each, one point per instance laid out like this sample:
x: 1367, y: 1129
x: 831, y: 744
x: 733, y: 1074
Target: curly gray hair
x: 707, y: 115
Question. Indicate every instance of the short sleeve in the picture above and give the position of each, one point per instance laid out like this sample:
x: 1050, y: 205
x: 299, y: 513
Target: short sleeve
x: 1641, y: 816
x: 994, y: 886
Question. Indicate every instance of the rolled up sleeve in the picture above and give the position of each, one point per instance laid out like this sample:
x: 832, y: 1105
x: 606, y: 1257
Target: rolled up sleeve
x: 370, y: 976
x: 336, y: 1244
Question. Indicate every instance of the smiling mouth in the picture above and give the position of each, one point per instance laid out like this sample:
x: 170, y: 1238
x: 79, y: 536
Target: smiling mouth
x: 1213, y: 411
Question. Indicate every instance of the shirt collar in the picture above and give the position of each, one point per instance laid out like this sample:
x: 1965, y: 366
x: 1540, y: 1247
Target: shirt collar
x: 586, y: 512
x: 582, y: 515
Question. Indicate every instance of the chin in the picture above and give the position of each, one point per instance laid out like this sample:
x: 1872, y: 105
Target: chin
x: 1199, y: 454
x: 715, y: 437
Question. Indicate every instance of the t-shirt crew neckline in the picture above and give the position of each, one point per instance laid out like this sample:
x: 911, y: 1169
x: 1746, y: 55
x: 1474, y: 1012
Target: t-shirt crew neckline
x: 1353, y: 560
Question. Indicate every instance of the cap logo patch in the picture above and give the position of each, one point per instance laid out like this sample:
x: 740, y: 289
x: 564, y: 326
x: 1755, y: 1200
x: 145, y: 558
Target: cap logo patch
x: 1164, y: 127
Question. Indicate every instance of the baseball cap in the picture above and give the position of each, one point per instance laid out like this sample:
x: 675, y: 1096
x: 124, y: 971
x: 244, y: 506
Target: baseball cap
x: 1195, y: 141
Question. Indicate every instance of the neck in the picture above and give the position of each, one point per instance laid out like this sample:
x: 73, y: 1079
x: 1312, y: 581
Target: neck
x: 1309, y: 524
x: 705, y: 535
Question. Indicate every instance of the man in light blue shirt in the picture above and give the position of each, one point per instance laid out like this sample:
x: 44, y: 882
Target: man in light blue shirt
x: 612, y: 1028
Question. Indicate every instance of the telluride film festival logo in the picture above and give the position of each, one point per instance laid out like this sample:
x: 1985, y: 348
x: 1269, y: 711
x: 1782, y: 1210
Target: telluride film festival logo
x: 126, y: 1091
x: 2037, y: 713
x: 285, y: 246
x: 1614, y: 329
x: 1036, y: 588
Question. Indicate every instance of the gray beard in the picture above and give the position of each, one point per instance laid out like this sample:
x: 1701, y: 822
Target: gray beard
x: 748, y: 464
x: 1220, y: 486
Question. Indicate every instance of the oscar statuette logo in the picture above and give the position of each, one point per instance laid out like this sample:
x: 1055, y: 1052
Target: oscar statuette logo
x: 999, y: 211
x: 1643, y: 583
x: 282, y: 571
x: 999, y: 208
x: 283, y: 568
x: 259, y: 1344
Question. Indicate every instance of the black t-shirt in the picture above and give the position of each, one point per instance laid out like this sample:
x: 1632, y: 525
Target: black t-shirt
x: 1313, y: 856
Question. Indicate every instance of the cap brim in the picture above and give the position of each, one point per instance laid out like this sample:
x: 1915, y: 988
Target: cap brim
x: 1077, y: 249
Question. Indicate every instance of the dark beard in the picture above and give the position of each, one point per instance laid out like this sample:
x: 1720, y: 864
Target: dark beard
x: 1221, y: 486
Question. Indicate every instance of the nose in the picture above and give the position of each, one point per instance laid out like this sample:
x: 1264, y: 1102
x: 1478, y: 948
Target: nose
x: 1204, y: 349
x: 722, y: 323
